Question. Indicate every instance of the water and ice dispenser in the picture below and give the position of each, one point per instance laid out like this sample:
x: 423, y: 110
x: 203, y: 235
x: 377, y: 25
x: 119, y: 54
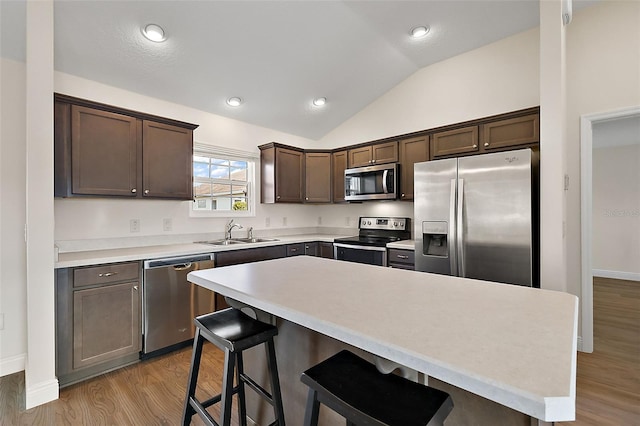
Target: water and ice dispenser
x: 435, y: 238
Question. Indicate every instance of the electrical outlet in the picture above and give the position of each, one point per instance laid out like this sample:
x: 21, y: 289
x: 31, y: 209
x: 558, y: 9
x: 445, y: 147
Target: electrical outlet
x: 267, y: 222
x: 167, y: 224
x: 284, y: 221
x: 1, y: 321
x: 134, y: 225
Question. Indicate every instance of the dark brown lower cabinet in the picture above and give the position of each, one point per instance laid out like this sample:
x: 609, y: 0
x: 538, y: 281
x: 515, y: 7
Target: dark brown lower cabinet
x: 326, y: 250
x: 235, y: 257
x: 401, y: 259
x: 98, y: 324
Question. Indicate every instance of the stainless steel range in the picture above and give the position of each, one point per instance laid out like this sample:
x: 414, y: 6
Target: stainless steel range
x: 370, y: 245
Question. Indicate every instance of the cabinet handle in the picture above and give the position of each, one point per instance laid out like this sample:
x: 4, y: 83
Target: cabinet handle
x: 293, y: 250
x: 135, y: 287
x: 133, y: 190
x: 486, y: 144
x: 402, y: 256
x: 306, y: 198
x: 373, y: 161
x: 146, y: 191
x: 107, y: 274
x: 402, y: 195
x: 475, y: 145
x: 277, y: 197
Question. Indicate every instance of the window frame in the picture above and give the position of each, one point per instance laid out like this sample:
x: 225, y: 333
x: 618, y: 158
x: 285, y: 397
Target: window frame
x: 212, y: 151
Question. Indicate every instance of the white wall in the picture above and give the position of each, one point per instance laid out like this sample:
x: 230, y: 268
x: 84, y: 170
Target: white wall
x: 616, y: 209
x: 493, y: 79
x: 603, y: 74
x: 13, y: 293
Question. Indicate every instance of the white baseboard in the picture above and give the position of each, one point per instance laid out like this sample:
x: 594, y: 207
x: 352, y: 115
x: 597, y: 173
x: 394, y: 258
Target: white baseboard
x: 618, y: 275
x: 12, y: 364
x: 42, y: 393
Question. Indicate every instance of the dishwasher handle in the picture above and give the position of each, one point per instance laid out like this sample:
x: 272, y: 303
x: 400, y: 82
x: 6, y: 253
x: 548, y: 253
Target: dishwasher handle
x: 180, y: 263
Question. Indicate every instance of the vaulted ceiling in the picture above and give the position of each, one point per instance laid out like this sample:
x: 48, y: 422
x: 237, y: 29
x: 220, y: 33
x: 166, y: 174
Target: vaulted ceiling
x: 277, y: 56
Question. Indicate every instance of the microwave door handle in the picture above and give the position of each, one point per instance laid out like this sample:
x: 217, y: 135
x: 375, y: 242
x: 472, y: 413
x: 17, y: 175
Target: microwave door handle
x: 384, y: 181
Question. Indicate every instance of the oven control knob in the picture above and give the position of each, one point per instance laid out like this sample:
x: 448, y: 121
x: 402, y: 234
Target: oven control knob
x: 395, y: 223
x: 368, y: 222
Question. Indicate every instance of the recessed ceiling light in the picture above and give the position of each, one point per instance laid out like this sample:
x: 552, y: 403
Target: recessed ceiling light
x: 154, y: 33
x: 419, y: 32
x: 234, y: 102
x: 319, y: 101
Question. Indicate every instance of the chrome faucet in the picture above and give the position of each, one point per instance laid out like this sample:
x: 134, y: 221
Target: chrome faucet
x: 250, y: 233
x: 229, y: 228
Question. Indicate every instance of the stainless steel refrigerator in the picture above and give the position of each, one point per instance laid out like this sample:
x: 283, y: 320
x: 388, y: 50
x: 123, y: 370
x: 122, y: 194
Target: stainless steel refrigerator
x: 476, y: 217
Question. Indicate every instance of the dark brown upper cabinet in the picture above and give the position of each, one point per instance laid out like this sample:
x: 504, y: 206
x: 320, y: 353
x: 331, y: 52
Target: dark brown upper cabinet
x: 511, y: 132
x: 281, y: 174
x: 101, y: 150
x: 374, y: 154
x: 339, y: 166
x: 412, y: 150
x: 317, y: 177
x: 454, y: 142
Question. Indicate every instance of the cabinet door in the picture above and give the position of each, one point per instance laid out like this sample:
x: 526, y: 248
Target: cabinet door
x: 235, y: 257
x: 326, y: 250
x: 106, y: 323
x: 385, y: 153
x: 317, y: 177
x: 339, y: 166
x: 414, y: 150
x: 454, y: 142
x: 103, y: 153
x: 511, y: 132
x: 289, y: 174
x: 311, y: 249
x: 167, y: 153
x: 359, y: 157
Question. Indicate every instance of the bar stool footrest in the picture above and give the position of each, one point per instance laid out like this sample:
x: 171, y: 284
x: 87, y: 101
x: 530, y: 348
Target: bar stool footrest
x: 257, y: 388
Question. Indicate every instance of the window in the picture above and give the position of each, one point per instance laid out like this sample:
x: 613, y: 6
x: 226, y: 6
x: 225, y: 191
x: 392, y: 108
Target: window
x: 223, y: 181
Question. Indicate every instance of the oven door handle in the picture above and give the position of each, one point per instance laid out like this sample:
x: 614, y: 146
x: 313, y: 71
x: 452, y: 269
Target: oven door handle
x: 351, y: 246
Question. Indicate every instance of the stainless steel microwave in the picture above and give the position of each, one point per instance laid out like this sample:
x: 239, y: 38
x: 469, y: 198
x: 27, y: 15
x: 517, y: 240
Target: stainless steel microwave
x: 378, y: 182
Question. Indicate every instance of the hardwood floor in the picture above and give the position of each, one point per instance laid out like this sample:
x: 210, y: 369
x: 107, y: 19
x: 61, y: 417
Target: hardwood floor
x: 147, y: 393
x: 608, y: 380
x: 152, y: 392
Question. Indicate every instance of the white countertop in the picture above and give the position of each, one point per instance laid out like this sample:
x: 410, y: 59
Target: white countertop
x: 510, y: 344
x: 402, y: 244
x: 95, y: 257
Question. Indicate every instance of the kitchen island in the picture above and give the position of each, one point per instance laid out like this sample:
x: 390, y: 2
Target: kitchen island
x: 515, y: 346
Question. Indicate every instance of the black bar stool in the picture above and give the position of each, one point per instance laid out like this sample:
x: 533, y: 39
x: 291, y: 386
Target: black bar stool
x: 232, y: 331
x: 355, y: 389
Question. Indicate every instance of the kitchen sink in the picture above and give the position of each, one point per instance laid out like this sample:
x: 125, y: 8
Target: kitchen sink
x: 237, y: 241
x: 254, y: 240
x: 220, y: 242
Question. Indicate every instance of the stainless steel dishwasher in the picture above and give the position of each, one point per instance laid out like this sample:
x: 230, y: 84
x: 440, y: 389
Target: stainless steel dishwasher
x: 171, y: 302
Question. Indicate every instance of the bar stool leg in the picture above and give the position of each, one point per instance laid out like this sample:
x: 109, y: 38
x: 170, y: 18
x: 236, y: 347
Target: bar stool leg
x: 188, y: 410
x: 275, y: 382
x: 242, y: 403
x: 312, y: 410
x: 227, y: 388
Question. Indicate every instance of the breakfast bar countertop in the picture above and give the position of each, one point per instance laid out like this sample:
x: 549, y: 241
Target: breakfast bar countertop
x: 510, y: 344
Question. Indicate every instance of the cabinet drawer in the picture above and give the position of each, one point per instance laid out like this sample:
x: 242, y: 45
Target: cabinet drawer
x: 401, y: 256
x: 105, y: 274
x: 295, y: 249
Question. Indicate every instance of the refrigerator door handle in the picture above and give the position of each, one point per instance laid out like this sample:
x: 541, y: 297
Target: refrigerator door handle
x: 453, y: 259
x: 460, y: 229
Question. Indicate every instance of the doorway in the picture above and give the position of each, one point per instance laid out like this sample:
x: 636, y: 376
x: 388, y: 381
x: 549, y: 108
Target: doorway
x: 619, y: 128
